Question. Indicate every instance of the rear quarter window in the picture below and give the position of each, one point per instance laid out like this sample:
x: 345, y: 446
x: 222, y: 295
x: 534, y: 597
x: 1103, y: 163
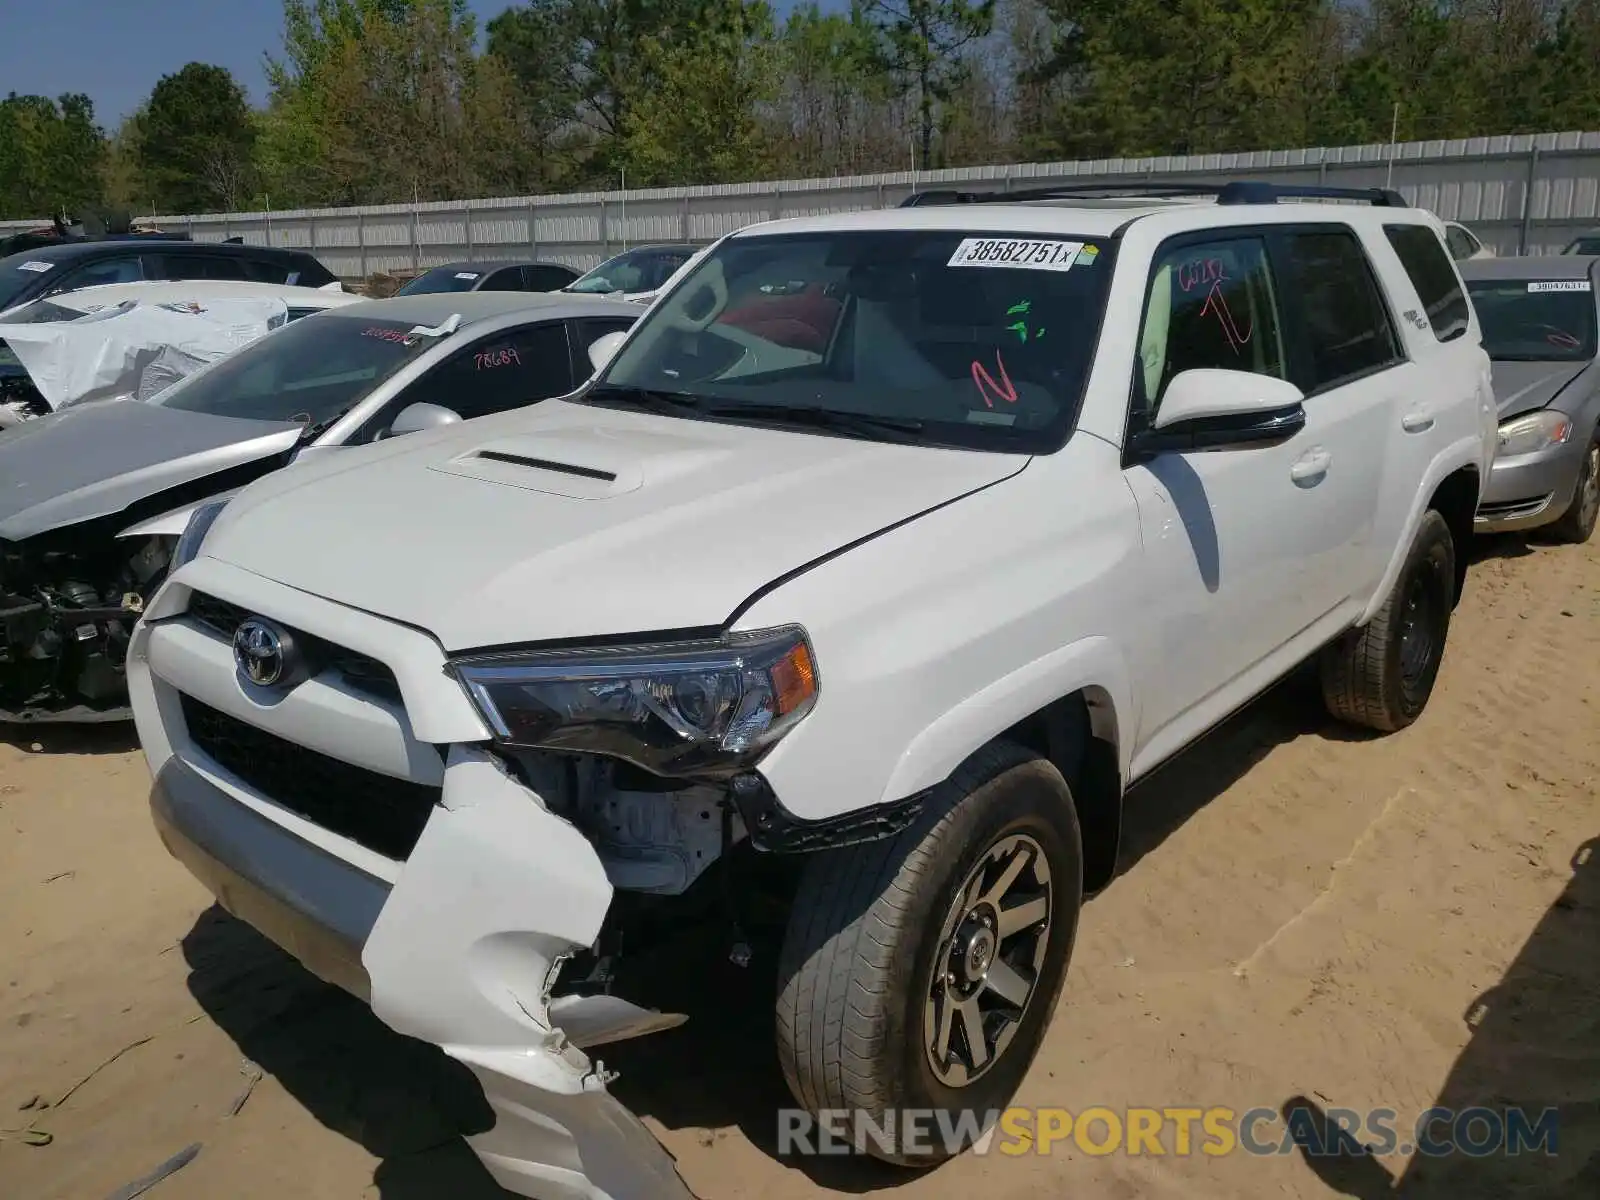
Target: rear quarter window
x: 1432, y: 274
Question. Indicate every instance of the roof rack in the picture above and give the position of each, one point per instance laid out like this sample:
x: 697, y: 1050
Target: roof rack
x: 1237, y: 192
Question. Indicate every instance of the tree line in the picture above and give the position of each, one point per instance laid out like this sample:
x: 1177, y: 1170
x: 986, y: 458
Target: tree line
x: 375, y: 101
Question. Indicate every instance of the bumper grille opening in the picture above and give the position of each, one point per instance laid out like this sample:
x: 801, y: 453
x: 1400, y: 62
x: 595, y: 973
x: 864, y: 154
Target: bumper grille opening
x: 360, y: 671
x: 384, y: 814
x: 1505, y: 510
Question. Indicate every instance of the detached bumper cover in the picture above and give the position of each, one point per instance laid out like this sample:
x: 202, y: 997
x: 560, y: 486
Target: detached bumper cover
x: 458, y: 949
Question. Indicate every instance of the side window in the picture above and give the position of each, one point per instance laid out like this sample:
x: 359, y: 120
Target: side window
x: 104, y: 270
x: 1438, y: 286
x: 585, y: 333
x: 1210, y: 304
x: 501, y: 372
x: 264, y: 270
x: 546, y: 279
x: 200, y: 266
x: 1460, y: 244
x: 507, y: 279
x: 1347, y: 326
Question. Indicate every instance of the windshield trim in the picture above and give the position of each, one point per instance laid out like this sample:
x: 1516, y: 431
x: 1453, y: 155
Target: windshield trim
x: 995, y: 439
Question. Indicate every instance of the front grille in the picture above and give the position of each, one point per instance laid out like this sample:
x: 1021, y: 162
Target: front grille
x: 362, y: 672
x: 384, y: 814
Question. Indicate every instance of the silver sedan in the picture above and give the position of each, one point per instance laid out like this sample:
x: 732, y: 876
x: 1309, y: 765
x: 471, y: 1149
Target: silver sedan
x: 1540, y: 322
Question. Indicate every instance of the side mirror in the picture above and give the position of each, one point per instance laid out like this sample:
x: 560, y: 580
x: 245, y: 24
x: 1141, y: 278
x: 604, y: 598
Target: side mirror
x: 414, y: 418
x: 604, y: 347
x: 1207, y: 409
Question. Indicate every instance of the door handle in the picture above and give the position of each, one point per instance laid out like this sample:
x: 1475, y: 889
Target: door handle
x: 1311, y: 467
x: 1417, y: 421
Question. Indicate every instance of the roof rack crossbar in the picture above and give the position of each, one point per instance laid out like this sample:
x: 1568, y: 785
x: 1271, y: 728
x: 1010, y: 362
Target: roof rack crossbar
x: 1233, y: 192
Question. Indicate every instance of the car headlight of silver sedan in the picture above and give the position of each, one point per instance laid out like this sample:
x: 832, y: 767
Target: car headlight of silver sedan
x: 677, y: 709
x: 1533, y: 432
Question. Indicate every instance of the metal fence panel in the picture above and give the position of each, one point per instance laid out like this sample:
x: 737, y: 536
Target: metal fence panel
x: 1526, y: 192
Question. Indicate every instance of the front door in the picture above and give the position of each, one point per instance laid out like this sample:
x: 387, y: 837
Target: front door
x: 1242, y: 545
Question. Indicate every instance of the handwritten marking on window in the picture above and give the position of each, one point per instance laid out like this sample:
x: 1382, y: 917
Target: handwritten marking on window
x: 985, y: 382
x: 1201, y: 272
x: 489, y: 359
x: 394, y: 336
x: 1211, y: 274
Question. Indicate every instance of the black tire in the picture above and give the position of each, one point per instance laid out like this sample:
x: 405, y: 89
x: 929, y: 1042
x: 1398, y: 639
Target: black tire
x: 856, y: 982
x: 1576, y: 525
x: 1380, y: 675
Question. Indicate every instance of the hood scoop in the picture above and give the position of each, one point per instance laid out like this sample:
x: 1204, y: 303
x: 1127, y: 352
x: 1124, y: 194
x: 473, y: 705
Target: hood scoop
x: 579, y: 470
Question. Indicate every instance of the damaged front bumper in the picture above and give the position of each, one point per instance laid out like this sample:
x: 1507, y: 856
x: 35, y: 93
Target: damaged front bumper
x: 459, y: 947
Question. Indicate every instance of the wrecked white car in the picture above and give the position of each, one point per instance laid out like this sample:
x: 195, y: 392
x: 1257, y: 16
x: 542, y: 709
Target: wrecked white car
x: 134, y: 339
x: 93, y: 498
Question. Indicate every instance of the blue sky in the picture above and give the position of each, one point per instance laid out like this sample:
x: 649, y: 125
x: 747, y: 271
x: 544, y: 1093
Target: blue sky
x: 115, y: 50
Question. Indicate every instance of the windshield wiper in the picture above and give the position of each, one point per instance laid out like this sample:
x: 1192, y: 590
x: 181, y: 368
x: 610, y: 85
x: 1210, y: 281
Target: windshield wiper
x: 655, y: 400
x: 868, y: 425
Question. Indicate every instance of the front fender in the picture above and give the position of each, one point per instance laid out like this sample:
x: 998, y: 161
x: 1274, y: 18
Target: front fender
x: 1092, y: 663
x: 1467, y: 452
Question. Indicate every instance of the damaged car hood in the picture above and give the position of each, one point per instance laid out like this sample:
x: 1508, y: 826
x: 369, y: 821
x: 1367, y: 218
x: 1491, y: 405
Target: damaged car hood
x: 570, y: 520
x: 1521, y: 387
x: 97, y: 459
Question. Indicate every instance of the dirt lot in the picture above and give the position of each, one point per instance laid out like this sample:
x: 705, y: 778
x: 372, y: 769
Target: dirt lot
x: 1302, y: 914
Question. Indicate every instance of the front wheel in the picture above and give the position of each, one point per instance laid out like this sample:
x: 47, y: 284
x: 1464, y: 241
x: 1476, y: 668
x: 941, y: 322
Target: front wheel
x: 920, y: 972
x: 1576, y: 525
x: 1381, y: 674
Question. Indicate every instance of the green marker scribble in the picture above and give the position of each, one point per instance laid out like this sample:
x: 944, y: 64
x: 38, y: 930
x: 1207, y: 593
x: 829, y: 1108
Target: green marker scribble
x: 1021, y: 329
x: 1021, y: 306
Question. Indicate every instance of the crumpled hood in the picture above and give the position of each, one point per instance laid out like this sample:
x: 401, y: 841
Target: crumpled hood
x: 97, y: 459
x: 570, y: 521
x: 1521, y: 387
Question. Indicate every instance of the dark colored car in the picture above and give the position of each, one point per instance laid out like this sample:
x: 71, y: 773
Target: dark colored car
x: 504, y: 276
x: 70, y: 265
x: 1584, y: 244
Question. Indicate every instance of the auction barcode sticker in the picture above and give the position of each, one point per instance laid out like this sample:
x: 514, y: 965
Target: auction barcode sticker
x: 1026, y: 253
x: 1560, y: 285
x: 38, y: 268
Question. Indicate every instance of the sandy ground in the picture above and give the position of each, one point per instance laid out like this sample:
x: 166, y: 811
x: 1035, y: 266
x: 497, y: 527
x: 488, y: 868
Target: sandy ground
x: 1302, y: 913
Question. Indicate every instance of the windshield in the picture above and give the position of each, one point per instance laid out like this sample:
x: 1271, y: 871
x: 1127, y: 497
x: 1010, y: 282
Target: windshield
x: 17, y: 274
x: 442, y: 279
x: 1550, y: 320
x: 42, y: 311
x: 642, y: 270
x: 312, y: 371
x: 980, y: 340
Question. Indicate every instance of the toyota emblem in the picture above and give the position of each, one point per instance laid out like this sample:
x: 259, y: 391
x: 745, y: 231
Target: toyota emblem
x: 261, y: 652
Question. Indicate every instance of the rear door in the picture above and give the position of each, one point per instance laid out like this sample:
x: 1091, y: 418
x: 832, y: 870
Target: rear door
x: 1347, y: 356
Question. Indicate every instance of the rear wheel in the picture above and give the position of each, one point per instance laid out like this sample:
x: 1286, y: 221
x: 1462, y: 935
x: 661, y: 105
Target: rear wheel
x: 1381, y: 675
x: 1577, y: 523
x: 920, y: 972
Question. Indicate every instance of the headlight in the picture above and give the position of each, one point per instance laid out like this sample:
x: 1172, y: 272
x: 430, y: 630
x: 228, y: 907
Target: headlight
x: 681, y: 709
x: 1536, y: 431
x: 200, y: 522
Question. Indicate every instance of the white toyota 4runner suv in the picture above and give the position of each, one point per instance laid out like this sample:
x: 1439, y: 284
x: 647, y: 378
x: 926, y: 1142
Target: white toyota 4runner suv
x: 888, y: 548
